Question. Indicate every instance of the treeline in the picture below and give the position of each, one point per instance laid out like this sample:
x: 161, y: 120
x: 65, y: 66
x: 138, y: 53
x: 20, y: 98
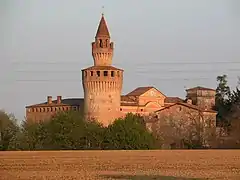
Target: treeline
x: 69, y: 131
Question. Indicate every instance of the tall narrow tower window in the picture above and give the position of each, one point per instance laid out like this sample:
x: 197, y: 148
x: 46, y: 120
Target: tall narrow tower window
x: 112, y: 73
x: 101, y: 43
x: 91, y: 73
x: 106, y: 42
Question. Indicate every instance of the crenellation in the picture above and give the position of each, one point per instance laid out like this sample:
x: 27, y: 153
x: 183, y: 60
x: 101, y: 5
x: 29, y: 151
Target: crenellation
x: 103, y: 102
x: 102, y: 83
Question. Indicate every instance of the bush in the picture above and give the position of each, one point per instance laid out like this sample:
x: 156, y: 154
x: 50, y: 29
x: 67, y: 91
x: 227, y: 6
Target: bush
x: 129, y: 133
x: 69, y: 131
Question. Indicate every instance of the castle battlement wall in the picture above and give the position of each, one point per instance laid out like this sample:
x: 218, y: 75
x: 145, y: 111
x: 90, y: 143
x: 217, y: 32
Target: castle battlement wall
x: 102, y: 83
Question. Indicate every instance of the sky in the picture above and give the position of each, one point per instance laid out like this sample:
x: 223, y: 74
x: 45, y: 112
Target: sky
x: 169, y: 44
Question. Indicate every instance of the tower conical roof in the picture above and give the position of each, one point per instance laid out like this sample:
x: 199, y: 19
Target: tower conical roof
x: 102, y: 28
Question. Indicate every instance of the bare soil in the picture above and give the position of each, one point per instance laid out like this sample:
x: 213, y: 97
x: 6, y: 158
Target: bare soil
x: 136, y: 165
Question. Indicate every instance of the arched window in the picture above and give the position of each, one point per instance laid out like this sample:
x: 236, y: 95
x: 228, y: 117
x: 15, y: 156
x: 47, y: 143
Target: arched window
x: 101, y: 43
x: 107, y: 43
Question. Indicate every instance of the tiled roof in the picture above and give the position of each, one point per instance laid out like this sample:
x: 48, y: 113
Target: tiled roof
x: 102, y: 68
x: 173, y: 100
x: 200, y: 88
x: 64, y: 102
x: 128, y: 101
x: 187, y: 105
x: 103, y: 29
x: 139, y: 91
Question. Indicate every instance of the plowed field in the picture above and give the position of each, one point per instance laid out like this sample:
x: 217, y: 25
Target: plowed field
x: 146, y: 165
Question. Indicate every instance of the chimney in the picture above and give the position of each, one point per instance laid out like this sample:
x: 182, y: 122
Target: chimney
x: 49, y: 99
x: 59, y: 99
x: 189, y: 101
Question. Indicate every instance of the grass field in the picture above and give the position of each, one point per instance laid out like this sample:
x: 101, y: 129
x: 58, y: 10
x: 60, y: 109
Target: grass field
x: 145, y: 165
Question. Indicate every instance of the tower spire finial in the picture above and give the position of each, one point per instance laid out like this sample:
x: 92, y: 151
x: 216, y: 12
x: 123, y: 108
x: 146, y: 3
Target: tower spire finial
x: 102, y: 28
x: 102, y: 10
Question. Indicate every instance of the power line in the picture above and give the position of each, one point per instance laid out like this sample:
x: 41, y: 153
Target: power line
x: 79, y: 80
x: 137, y: 70
x: 139, y: 63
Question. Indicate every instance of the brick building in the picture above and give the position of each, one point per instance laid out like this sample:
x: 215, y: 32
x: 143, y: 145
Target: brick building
x: 102, y: 84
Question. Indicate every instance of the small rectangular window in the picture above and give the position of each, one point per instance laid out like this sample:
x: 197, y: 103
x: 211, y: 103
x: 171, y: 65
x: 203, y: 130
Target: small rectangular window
x: 91, y: 73
x: 105, y: 73
x: 98, y: 73
x: 112, y: 73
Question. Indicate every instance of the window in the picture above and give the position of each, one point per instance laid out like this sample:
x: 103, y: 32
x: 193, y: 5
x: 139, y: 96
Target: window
x: 141, y: 109
x: 101, y: 43
x: 120, y: 109
x: 118, y: 73
x: 112, y: 73
x: 105, y: 73
x: 91, y: 73
x: 75, y: 108
x: 98, y: 73
x: 106, y: 42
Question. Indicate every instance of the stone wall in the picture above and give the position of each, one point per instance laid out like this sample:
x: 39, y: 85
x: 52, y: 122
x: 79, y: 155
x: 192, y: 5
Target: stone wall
x: 37, y: 114
x: 102, y: 92
x: 181, y: 122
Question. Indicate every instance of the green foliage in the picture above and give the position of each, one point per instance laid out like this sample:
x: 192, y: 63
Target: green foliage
x: 223, y: 94
x: 8, y: 130
x: 69, y: 131
x: 65, y: 131
x: 228, y: 107
x: 129, y: 133
x: 226, y: 101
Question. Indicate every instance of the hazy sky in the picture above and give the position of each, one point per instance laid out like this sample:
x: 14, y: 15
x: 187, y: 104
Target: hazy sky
x: 169, y: 44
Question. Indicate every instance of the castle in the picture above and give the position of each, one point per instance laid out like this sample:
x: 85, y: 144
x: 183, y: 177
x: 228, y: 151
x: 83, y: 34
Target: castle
x: 103, y: 102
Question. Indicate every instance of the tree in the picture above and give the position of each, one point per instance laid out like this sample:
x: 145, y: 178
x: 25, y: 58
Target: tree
x: 223, y: 94
x: 8, y: 129
x: 128, y: 133
x: 66, y: 130
x: 189, y: 129
x: 228, y: 114
x: 69, y: 130
x: 223, y: 90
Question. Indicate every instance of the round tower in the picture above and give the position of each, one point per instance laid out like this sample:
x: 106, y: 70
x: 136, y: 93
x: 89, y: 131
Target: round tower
x: 102, y: 83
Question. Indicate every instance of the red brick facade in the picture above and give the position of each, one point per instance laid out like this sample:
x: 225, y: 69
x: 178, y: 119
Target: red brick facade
x: 102, y: 84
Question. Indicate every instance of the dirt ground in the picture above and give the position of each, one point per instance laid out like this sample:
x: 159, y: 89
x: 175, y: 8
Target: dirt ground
x: 136, y: 165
